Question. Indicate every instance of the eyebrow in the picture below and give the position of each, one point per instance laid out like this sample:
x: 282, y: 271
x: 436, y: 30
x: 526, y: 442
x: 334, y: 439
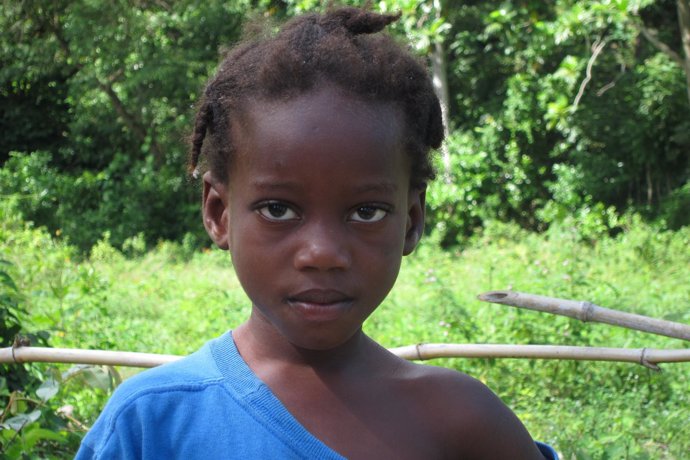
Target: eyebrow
x: 273, y: 185
x: 377, y: 187
x: 269, y: 185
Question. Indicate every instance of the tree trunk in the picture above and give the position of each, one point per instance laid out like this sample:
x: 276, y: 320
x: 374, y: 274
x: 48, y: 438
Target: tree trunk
x: 132, y: 123
x: 438, y: 66
x: 440, y: 81
x: 650, y: 189
x: 684, y: 24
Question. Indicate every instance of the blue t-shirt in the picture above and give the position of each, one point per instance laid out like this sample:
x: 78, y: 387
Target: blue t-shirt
x: 208, y: 405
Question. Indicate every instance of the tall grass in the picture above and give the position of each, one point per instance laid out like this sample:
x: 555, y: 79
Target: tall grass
x: 171, y: 300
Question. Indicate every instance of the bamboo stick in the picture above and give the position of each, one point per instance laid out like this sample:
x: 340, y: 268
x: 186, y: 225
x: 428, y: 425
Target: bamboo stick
x: 76, y: 356
x: 587, y: 311
x: 648, y: 357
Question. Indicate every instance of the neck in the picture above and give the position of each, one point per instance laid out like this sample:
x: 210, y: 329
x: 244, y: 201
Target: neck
x: 261, y: 344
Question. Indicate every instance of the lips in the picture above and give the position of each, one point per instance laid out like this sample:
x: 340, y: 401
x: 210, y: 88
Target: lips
x: 320, y: 304
x: 319, y: 296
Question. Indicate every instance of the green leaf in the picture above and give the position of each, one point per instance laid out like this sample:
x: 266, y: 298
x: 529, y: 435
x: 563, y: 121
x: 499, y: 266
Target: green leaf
x: 34, y: 435
x: 115, y: 375
x: 97, y: 377
x: 18, y: 422
x: 73, y: 371
x: 14, y: 451
x: 48, y: 389
x: 7, y: 281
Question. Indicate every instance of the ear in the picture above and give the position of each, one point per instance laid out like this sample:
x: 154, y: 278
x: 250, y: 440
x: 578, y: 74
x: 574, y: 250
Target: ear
x: 416, y: 206
x: 214, y: 208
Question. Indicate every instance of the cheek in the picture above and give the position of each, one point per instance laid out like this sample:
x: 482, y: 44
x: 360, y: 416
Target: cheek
x: 249, y: 254
x: 257, y: 275
x: 247, y: 242
x: 382, y: 263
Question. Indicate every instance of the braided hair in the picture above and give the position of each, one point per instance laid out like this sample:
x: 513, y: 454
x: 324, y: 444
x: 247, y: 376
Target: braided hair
x: 340, y: 47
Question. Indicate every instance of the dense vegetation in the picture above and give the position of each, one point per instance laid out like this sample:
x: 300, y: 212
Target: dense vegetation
x: 569, y: 122
x: 555, y: 110
x: 171, y: 299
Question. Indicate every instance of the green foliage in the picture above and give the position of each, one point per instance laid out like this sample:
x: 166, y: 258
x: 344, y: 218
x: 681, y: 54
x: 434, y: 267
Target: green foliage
x: 33, y: 423
x: 83, y: 206
x: 36, y: 422
x: 96, y: 99
x: 10, y: 325
x: 28, y: 425
x: 588, y: 410
x: 555, y: 143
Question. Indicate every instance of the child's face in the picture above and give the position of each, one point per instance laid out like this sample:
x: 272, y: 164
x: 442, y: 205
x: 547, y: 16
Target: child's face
x: 317, y: 214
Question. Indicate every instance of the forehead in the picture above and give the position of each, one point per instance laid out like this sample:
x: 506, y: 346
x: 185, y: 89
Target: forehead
x: 328, y: 122
x: 325, y: 133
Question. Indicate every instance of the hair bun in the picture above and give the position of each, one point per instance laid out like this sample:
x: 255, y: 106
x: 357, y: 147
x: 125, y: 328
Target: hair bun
x: 357, y: 21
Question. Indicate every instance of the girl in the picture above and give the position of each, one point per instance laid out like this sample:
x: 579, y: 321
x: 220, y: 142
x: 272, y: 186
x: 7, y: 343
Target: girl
x: 315, y: 146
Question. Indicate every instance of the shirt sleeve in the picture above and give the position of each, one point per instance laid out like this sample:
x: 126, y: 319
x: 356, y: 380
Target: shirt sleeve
x: 85, y: 453
x: 547, y: 451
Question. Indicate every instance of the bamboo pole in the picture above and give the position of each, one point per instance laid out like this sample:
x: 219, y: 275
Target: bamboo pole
x: 76, y: 356
x: 587, y: 311
x: 648, y: 357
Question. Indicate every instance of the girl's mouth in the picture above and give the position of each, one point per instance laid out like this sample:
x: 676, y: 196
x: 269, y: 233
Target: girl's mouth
x: 320, y: 304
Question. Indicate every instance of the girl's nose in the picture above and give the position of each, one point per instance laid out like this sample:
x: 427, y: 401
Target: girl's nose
x: 322, y: 248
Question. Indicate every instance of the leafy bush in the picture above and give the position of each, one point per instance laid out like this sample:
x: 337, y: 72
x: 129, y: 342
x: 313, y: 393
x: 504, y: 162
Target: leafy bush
x: 35, y: 418
x: 30, y: 424
x: 480, y: 188
x: 145, y: 204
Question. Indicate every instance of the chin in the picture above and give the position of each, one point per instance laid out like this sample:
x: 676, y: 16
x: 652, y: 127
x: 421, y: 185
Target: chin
x: 322, y: 340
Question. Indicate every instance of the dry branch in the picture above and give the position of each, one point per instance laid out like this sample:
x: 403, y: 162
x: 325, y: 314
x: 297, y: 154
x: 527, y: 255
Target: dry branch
x: 597, y: 48
x: 587, y: 311
x: 611, y: 84
x: 652, y: 37
x: 684, y: 25
x: 648, y: 357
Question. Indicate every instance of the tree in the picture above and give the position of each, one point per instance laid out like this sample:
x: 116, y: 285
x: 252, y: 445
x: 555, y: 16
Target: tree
x: 562, y: 109
x: 106, y: 89
x: 554, y: 109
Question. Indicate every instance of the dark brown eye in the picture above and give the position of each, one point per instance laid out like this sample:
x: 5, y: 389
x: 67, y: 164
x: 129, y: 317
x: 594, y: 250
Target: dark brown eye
x: 368, y: 214
x: 277, y: 211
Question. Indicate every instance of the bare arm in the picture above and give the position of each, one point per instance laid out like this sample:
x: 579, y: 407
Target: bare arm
x: 480, y: 425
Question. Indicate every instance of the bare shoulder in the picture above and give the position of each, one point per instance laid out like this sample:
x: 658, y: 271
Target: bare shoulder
x: 472, y: 421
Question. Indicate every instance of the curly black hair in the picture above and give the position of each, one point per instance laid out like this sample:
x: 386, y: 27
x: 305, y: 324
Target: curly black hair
x: 339, y: 47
